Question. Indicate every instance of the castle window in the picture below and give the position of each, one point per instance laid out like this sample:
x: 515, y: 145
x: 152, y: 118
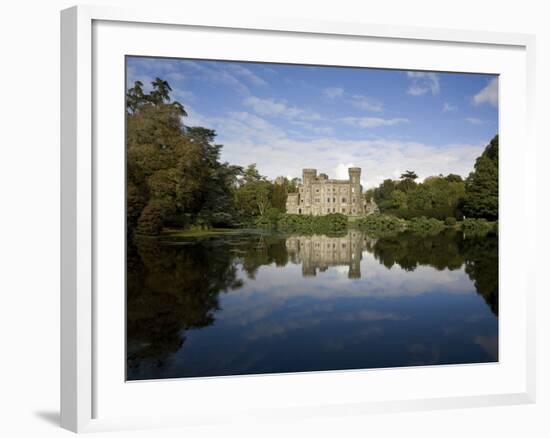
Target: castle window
x: 328, y: 199
x: 302, y: 201
x: 344, y: 200
x: 317, y: 200
x: 328, y: 210
x: 333, y: 199
x: 316, y: 190
x: 300, y: 212
x: 354, y: 210
x: 343, y: 210
x: 334, y: 210
x: 353, y: 200
x: 353, y: 190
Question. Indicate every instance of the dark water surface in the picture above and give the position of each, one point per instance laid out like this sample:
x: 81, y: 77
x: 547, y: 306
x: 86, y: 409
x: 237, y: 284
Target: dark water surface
x: 249, y: 303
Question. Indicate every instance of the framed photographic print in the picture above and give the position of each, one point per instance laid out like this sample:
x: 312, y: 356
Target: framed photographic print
x: 291, y: 218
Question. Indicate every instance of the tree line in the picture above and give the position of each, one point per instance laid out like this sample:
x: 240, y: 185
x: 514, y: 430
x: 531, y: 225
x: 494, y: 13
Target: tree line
x: 175, y: 177
x: 443, y: 197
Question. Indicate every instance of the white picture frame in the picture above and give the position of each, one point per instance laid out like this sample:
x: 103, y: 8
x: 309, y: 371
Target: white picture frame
x: 87, y: 370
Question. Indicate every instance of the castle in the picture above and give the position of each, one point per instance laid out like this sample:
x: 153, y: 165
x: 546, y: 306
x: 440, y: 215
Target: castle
x: 318, y: 195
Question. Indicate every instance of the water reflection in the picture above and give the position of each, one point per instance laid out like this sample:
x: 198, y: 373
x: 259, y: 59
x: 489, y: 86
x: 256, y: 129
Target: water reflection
x: 320, y: 252
x: 254, y: 303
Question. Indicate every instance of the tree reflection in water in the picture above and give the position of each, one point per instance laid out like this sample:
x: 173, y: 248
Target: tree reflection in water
x: 174, y: 286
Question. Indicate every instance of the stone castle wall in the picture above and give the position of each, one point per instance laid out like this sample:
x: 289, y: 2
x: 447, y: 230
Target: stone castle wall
x: 319, y: 195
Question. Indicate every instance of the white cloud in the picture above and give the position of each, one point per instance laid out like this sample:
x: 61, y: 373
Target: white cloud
x: 247, y: 74
x: 475, y: 121
x: 315, y: 128
x: 249, y: 138
x: 217, y: 73
x: 359, y: 101
x: 447, y: 107
x: 366, y: 103
x: 489, y: 94
x: 273, y: 108
x: 341, y: 170
x: 333, y: 92
x: 422, y: 82
x: 372, y: 122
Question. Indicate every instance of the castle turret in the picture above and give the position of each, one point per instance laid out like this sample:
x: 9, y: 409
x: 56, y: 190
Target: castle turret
x: 354, y: 175
x: 309, y: 175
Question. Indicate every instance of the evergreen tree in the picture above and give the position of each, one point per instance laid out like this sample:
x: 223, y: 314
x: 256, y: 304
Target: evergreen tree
x: 481, y: 197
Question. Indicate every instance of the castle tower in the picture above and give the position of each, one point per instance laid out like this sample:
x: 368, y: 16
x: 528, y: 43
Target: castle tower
x: 354, y: 176
x: 355, y: 189
x: 309, y: 176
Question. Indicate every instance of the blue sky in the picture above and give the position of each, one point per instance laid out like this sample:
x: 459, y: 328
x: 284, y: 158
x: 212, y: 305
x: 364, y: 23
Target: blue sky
x: 288, y: 117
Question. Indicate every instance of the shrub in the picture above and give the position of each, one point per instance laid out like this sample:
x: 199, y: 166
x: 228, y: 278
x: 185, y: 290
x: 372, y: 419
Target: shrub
x: 328, y: 224
x: 379, y: 224
x: 476, y: 227
x: 450, y: 221
x: 424, y: 225
x: 152, y: 218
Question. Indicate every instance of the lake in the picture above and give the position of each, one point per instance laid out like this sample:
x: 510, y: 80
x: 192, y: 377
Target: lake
x: 250, y: 302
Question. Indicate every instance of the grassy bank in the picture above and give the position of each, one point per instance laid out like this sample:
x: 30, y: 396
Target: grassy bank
x: 331, y: 224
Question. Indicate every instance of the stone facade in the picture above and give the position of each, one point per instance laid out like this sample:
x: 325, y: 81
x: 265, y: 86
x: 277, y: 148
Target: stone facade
x: 318, y: 195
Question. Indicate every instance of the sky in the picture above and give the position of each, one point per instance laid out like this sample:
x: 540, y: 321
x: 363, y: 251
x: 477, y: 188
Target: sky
x: 288, y: 117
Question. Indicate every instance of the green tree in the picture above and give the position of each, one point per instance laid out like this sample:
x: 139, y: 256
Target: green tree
x: 451, y: 177
x: 175, y: 176
x: 279, y: 195
x: 293, y: 185
x: 409, y: 174
x: 135, y: 98
x: 253, y: 195
x: 481, y: 190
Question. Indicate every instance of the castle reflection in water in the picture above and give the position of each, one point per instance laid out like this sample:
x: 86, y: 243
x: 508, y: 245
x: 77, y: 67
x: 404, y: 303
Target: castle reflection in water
x: 319, y: 252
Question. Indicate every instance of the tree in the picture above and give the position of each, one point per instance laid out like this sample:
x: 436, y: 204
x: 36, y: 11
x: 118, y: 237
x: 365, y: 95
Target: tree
x: 382, y: 194
x: 135, y: 97
x: 481, y: 190
x: 160, y: 93
x: 279, y: 195
x: 399, y: 199
x: 253, y: 196
x: 293, y: 185
x: 175, y: 176
x: 451, y: 177
x: 409, y: 174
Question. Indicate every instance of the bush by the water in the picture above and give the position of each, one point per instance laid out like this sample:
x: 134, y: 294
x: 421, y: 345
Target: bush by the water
x: 269, y: 219
x: 424, y: 225
x: 151, y: 220
x: 328, y: 224
x: 450, y: 221
x: 379, y: 223
x: 477, y: 227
